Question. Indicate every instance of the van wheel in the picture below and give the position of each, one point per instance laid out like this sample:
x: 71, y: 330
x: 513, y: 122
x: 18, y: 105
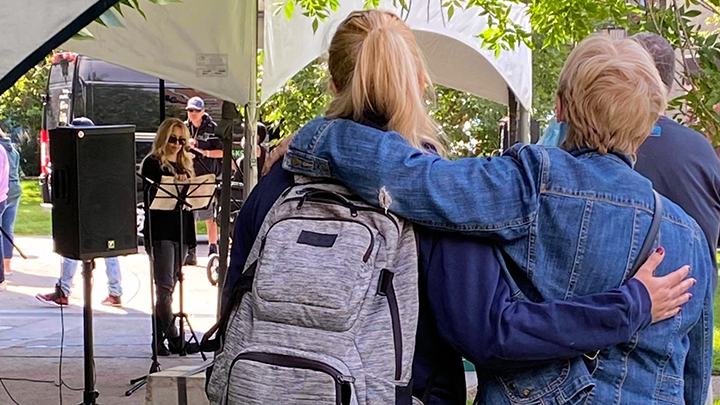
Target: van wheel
x: 213, y: 269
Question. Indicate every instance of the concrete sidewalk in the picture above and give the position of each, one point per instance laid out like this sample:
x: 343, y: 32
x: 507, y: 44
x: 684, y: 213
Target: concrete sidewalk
x: 31, y: 331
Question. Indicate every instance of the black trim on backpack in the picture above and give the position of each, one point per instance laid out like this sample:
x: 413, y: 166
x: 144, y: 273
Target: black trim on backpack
x: 403, y: 394
x: 316, y: 239
x: 652, y: 235
x: 386, y: 289
x: 343, y: 384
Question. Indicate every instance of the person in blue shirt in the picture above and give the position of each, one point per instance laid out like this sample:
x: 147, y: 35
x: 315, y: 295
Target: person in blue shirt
x: 680, y: 162
x: 469, y: 307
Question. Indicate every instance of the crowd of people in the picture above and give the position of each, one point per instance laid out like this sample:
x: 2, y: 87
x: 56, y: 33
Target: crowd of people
x: 556, y: 269
x: 532, y: 265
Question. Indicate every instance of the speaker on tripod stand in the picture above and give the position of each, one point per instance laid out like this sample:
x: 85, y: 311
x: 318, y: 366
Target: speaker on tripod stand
x: 93, y: 195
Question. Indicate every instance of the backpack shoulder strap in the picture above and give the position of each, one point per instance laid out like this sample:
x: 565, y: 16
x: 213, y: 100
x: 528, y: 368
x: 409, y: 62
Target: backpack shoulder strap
x: 647, y: 245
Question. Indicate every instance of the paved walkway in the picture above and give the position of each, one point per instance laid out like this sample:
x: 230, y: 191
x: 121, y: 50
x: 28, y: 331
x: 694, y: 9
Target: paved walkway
x: 31, y: 331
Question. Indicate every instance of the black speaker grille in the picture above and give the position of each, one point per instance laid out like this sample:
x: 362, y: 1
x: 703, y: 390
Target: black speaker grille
x: 104, y: 183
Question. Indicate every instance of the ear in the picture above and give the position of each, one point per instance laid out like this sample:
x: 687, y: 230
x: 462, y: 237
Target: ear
x: 333, y: 88
x: 559, y: 110
x: 421, y: 81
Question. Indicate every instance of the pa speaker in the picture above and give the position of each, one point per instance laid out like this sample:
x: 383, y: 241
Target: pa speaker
x: 93, y: 191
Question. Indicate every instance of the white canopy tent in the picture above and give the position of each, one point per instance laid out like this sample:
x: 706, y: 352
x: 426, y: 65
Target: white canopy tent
x: 208, y: 46
x: 33, y: 28
x: 211, y: 45
x: 454, y: 54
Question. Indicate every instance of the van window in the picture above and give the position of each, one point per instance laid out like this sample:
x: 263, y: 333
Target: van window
x: 94, y: 70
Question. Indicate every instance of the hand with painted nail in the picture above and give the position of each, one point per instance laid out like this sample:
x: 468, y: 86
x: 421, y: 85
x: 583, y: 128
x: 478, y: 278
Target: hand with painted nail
x: 667, y: 293
x: 276, y: 154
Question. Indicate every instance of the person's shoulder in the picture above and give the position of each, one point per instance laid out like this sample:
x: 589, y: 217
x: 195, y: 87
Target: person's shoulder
x: 150, y: 161
x: 679, y: 133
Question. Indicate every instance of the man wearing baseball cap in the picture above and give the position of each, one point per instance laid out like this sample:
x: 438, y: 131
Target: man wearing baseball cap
x: 202, y: 131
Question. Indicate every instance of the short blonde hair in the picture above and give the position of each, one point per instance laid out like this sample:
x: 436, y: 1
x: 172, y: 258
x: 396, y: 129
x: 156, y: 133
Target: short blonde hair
x: 611, y: 95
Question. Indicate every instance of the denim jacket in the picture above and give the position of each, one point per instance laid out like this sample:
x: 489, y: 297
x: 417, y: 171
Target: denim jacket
x: 566, y: 220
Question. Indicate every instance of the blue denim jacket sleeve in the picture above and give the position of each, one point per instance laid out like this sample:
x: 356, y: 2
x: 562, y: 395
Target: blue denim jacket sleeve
x: 469, y: 195
x: 698, y: 367
x: 475, y: 311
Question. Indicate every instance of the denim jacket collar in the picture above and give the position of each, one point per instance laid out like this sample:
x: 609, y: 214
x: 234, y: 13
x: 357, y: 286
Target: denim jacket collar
x: 619, y: 157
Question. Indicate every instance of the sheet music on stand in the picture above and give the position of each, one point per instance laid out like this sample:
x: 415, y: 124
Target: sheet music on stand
x: 197, y: 191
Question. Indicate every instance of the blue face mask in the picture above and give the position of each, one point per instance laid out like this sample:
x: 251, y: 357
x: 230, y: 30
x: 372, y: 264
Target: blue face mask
x: 554, y: 134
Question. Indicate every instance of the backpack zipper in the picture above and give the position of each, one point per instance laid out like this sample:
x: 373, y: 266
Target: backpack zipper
x: 367, y: 209
x: 366, y: 257
x: 343, y: 383
x: 387, y: 289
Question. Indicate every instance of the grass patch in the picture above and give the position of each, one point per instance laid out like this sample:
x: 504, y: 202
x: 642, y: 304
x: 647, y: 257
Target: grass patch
x: 32, y: 219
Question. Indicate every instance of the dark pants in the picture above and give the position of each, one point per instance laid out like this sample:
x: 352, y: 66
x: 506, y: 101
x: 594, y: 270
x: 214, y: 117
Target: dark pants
x: 167, y: 269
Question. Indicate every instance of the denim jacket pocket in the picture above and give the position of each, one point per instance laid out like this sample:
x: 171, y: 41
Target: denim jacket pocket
x: 564, y: 382
x: 671, y: 390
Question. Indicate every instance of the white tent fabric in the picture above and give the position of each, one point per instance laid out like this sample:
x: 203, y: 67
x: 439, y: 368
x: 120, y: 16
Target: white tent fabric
x: 454, y: 53
x: 28, y: 24
x: 198, y: 43
x: 203, y: 44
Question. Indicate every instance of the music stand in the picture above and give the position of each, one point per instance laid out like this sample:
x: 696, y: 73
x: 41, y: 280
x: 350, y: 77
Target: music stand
x: 137, y: 383
x: 197, y: 194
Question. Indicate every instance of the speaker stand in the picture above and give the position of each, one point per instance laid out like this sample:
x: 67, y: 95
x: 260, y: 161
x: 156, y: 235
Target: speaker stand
x: 89, y: 394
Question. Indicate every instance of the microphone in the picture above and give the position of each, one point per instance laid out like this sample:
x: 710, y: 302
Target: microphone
x: 194, y: 151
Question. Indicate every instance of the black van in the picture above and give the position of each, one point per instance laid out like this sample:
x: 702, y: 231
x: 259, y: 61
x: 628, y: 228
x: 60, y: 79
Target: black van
x: 80, y: 86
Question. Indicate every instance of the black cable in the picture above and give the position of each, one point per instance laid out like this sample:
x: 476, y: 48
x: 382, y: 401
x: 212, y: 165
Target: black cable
x: 62, y: 345
x: 8, y: 392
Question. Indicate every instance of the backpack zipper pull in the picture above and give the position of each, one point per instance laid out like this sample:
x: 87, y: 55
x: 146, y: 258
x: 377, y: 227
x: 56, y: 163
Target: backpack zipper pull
x: 384, y: 199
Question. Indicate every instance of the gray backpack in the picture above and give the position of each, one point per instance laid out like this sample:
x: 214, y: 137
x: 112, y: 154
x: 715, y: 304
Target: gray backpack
x: 332, y: 314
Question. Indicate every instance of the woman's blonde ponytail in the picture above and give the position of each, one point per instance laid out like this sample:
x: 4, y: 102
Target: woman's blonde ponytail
x: 379, y: 72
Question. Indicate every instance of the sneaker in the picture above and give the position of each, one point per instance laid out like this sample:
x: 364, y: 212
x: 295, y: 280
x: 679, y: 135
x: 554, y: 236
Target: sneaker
x: 55, y: 298
x: 212, y: 249
x: 3, y: 286
x: 112, y: 301
x: 191, y: 258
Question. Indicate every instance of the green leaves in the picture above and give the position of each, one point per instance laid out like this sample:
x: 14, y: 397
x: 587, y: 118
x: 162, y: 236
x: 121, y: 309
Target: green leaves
x: 289, y: 9
x: 110, y: 19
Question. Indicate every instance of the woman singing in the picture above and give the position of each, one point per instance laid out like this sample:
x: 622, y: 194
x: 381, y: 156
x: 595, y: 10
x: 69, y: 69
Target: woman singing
x: 168, y: 158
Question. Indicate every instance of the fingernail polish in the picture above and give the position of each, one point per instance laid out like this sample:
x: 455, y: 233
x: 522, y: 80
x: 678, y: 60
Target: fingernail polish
x: 660, y: 250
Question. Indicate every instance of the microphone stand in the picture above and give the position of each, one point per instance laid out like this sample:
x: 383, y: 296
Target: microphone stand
x: 137, y: 383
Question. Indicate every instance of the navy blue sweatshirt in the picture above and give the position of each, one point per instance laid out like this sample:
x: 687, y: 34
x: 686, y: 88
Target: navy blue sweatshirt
x: 466, y: 308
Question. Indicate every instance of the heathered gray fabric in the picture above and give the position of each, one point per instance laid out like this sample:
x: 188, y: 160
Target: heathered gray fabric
x: 321, y: 304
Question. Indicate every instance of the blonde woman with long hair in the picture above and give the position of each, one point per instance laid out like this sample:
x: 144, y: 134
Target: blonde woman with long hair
x: 168, y: 158
x: 467, y: 309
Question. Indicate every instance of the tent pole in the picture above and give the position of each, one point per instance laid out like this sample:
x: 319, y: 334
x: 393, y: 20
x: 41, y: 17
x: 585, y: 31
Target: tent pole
x: 512, y: 119
x: 523, y: 124
x: 227, y: 122
x: 250, y: 168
